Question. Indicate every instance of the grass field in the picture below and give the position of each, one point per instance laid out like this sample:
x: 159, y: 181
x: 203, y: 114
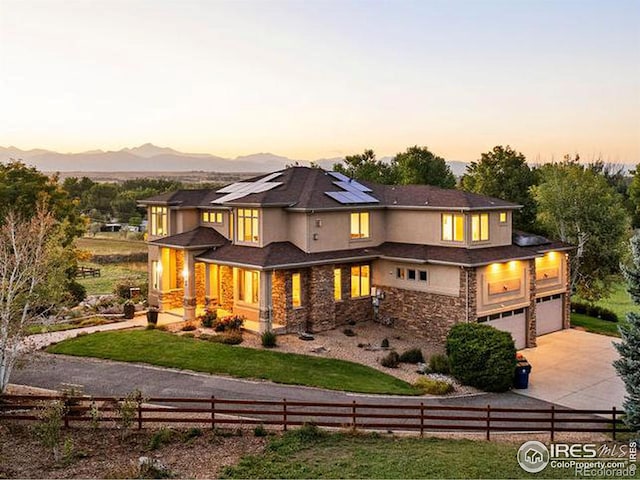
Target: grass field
x: 110, y: 244
x: 111, y: 274
x: 306, y: 453
x: 619, y: 301
x: 169, y: 350
x: 595, y: 325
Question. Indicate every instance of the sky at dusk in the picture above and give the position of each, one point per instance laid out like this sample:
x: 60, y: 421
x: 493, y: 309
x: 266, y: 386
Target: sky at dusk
x: 320, y: 79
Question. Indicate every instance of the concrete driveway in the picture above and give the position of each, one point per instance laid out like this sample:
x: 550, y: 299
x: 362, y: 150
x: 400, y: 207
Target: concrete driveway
x: 573, y: 368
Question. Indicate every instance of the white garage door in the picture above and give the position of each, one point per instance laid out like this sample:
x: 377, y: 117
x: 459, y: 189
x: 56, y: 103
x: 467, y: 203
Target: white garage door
x: 548, y: 314
x: 515, y: 324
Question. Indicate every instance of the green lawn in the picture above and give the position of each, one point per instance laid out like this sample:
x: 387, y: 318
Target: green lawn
x: 619, y: 301
x: 111, y: 245
x: 59, y: 327
x: 169, y: 350
x: 595, y: 325
x: 301, y: 454
x: 112, y: 273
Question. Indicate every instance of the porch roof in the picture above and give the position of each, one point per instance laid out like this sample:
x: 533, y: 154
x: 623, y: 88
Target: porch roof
x: 279, y: 255
x: 198, y: 238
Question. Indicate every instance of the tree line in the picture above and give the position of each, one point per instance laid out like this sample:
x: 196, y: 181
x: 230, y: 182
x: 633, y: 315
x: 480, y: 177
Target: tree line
x: 592, y: 206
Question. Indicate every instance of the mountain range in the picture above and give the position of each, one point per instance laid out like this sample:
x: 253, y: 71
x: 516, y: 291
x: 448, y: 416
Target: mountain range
x: 149, y: 157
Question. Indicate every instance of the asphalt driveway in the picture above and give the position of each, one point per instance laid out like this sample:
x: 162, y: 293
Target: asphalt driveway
x: 574, y: 369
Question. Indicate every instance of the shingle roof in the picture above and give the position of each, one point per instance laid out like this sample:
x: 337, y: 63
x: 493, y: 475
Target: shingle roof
x: 287, y: 255
x: 200, y: 237
x: 304, y: 188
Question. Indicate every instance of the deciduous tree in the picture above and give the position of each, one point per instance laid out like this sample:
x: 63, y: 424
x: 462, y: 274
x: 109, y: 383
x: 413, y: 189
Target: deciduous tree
x: 417, y: 165
x: 504, y: 173
x: 32, y: 273
x: 578, y: 206
x: 366, y: 166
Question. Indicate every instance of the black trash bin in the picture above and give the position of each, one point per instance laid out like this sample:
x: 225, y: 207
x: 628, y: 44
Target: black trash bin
x: 523, y: 369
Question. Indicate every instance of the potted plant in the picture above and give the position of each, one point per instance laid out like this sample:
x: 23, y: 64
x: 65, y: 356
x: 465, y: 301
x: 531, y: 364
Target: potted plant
x: 152, y: 315
x: 129, y: 309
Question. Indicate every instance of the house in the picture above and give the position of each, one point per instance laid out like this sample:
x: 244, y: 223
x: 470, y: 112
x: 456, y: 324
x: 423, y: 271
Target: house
x: 305, y: 249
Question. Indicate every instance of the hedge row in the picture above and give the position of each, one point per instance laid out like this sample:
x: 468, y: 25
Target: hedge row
x: 594, y: 311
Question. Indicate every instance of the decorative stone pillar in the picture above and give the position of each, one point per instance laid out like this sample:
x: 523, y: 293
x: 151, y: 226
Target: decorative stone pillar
x: 469, y: 291
x: 226, y: 287
x: 207, y: 285
x: 264, y: 315
x: 566, y: 305
x: 189, y: 274
x: 531, y: 310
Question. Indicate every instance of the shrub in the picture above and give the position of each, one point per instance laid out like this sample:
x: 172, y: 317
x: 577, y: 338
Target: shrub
x: 391, y: 360
x: 432, y: 386
x: 193, y: 432
x: 76, y: 291
x: 348, y: 332
x: 151, y: 326
x: 413, y: 355
x: 439, y: 363
x: 228, y: 338
x: 594, y: 311
x: 482, y: 356
x: 230, y: 322
x: 189, y: 327
x: 260, y: 431
x: 208, y: 319
x: 160, y: 438
x: 49, y: 426
x: 269, y: 339
x: 124, y: 286
x: 384, y: 343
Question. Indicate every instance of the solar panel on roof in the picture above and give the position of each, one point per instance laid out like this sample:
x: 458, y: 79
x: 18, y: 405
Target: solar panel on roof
x: 350, y: 197
x: 269, y: 177
x: 242, y: 189
x: 339, y: 176
x: 233, y: 187
x: 352, y: 186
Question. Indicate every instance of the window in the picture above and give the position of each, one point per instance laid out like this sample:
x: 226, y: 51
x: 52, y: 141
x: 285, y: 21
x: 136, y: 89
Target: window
x: 248, y: 285
x: 503, y: 217
x: 453, y: 227
x: 337, y: 284
x: 423, y: 275
x: 480, y: 227
x: 248, y: 224
x: 159, y: 221
x: 360, y: 285
x: 400, y: 273
x: 156, y: 273
x: 360, y: 225
x: 296, y: 296
x: 212, y: 217
x: 411, y: 274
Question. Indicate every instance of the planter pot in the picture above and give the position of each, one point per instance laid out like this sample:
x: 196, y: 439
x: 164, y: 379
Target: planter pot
x: 152, y: 317
x: 129, y: 311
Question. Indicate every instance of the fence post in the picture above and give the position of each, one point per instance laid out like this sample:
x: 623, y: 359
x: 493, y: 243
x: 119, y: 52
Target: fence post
x: 139, y: 415
x: 213, y: 412
x: 353, y: 415
x: 613, y: 416
x: 488, y: 422
x: 421, y: 419
x: 553, y: 422
x: 284, y: 414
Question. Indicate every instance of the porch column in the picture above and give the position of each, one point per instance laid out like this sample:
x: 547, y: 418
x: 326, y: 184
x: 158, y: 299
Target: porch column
x: 207, y: 285
x: 264, y: 315
x: 189, y: 286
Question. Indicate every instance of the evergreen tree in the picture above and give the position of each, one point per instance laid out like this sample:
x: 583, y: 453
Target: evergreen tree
x: 628, y: 365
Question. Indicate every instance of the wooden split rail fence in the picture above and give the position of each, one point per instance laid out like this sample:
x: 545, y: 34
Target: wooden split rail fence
x: 83, y: 272
x: 417, y: 417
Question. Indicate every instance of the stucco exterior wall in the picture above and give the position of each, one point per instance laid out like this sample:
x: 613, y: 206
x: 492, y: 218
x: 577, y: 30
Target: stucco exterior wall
x: 551, y: 274
x: 441, y: 279
x: 503, y: 286
x: 332, y: 230
x: 273, y: 226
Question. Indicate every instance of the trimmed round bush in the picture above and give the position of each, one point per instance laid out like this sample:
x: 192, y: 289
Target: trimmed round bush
x: 431, y: 386
x: 439, y: 363
x: 482, y: 356
x: 413, y: 355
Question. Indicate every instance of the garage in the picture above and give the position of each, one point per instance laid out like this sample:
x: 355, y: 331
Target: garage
x: 548, y: 314
x: 514, y: 322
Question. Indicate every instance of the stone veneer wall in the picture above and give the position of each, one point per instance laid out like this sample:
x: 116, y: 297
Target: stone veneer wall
x: 319, y: 311
x: 171, y: 299
x: 531, y: 310
x: 226, y: 287
x: 429, y: 314
x: 566, y: 320
x: 200, y: 285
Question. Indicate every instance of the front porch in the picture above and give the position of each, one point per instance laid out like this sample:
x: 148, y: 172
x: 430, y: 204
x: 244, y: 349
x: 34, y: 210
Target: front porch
x: 186, y: 288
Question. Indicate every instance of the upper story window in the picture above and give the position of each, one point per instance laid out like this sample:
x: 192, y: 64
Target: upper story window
x: 159, y: 221
x: 479, y: 227
x: 248, y: 225
x: 453, y: 227
x: 360, y: 225
x: 212, y: 217
x: 503, y: 217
